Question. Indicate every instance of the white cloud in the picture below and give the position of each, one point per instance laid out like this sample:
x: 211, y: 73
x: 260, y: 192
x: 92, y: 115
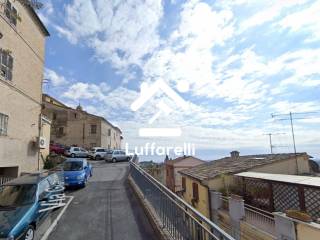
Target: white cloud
x: 305, y: 20
x: 81, y: 90
x: 286, y: 106
x: 121, y: 32
x: 270, y: 11
x: 54, y: 78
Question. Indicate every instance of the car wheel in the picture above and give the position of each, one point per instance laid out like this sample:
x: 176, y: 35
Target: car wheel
x: 73, y: 155
x: 128, y: 159
x: 29, y: 235
x: 114, y: 160
x: 98, y: 157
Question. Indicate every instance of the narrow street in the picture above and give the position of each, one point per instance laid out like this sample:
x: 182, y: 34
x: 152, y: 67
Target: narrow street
x: 106, y: 209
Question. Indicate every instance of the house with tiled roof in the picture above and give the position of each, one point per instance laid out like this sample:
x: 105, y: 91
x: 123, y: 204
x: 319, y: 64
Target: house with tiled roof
x: 172, y: 168
x: 219, y: 174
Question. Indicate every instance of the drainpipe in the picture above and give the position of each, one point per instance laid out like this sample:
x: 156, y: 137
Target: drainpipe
x: 39, y: 135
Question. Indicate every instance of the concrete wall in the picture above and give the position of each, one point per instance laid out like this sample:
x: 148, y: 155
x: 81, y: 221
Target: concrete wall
x: 307, y: 231
x: 286, y: 167
x: 20, y: 98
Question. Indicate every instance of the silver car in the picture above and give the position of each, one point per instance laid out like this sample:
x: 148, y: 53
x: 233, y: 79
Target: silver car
x: 97, y: 153
x: 76, y: 152
x: 116, y: 156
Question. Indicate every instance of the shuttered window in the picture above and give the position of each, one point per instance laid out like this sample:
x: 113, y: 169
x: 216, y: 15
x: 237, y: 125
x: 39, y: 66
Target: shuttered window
x: 183, y: 183
x: 195, y: 191
x: 6, y: 65
x: 3, y: 124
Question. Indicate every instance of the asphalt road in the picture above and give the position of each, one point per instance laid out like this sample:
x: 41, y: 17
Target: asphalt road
x: 106, y: 209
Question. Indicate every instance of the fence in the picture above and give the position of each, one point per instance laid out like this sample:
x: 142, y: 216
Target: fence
x: 260, y: 219
x: 180, y: 219
x: 280, y: 196
x: 4, y: 179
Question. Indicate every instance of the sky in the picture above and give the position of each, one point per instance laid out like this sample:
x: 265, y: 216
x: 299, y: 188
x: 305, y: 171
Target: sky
x: 242, y: 61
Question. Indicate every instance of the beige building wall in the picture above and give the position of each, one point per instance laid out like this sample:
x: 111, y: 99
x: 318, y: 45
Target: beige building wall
x: 76, y: 127
x: 20, y: 99
x: 45, y: 133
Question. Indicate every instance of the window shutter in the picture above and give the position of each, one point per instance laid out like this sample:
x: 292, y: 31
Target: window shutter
x: 195, y: 191
x: 183, y: 183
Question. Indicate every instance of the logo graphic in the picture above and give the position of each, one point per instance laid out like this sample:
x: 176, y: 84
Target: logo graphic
x: 147, y: 92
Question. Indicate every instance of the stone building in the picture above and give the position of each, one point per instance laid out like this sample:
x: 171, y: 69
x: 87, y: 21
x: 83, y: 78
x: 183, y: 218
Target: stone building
x: 77, y: 127
x: 22, y: 52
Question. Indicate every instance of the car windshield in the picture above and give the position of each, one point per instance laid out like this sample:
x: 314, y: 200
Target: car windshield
x: 17, y: 195
x: 73, y: 166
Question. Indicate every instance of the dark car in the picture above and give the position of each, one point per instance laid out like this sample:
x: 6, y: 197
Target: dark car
x: 21, y: 204
x: 57, y: 148
x: 76, y: 172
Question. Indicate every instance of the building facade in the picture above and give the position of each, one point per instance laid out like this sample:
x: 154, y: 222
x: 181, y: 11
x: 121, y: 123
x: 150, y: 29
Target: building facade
x: 77, y: 127
x: 172, y: 168
x: 22, y: 51
x: 219, y: 175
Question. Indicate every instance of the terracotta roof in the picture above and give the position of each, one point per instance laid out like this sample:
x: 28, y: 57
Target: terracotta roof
x: 179, y: 159
x: 229, y: 165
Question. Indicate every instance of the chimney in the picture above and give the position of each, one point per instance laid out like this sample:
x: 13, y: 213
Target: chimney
x: 235, y: 154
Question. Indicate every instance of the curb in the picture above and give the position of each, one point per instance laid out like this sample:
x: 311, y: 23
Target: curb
x: 148, y: 209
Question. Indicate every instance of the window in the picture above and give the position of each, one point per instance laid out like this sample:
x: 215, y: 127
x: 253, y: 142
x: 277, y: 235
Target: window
x: 6, y: 65
x: 195, y: 191
x: 109, y: 132
x: 11, y: 13
x: 93, y: 129
x: 75, y: 116
x: 54, y: 116
x: 3, y: 124
x: 60, y: 131
x: 183, y: 183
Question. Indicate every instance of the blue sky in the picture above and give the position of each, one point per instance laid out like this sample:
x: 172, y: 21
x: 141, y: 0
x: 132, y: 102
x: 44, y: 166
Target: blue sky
x: 243, y: 61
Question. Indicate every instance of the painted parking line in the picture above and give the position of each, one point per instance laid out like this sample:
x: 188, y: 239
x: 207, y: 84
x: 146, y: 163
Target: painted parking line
x: 55, y: 222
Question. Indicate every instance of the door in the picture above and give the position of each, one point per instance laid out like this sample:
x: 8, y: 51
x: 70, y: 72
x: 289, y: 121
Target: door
x: 83, y: 152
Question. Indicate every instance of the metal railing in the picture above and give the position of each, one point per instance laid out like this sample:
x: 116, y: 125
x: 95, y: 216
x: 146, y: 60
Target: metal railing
x: 181, y: 220
x: 5, y: 179
x: 261, y: 219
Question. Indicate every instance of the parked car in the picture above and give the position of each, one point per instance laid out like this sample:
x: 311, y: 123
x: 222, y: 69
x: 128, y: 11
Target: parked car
x: 57, y: 148
x: 20, y: 203
x: 76, y: 152
x: 97, y: 153
x: 76, y: 172
x: 116, y: 156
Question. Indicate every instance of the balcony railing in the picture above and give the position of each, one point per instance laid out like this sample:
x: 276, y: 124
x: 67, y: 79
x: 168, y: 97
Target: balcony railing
x: 261, y: 219
x: 181, y: 220
x: 4, y: 179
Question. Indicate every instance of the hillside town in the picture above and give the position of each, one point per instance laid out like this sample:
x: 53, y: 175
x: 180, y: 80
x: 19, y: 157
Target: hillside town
x: 66, y: 172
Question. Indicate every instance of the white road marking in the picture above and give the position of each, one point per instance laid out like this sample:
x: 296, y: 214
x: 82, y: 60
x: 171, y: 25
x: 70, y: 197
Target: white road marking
x: 54, y: 224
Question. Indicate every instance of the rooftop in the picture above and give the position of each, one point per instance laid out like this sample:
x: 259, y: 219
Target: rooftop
x: 235, y: 164
x: 179, y: 159
x: 300, y: 180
